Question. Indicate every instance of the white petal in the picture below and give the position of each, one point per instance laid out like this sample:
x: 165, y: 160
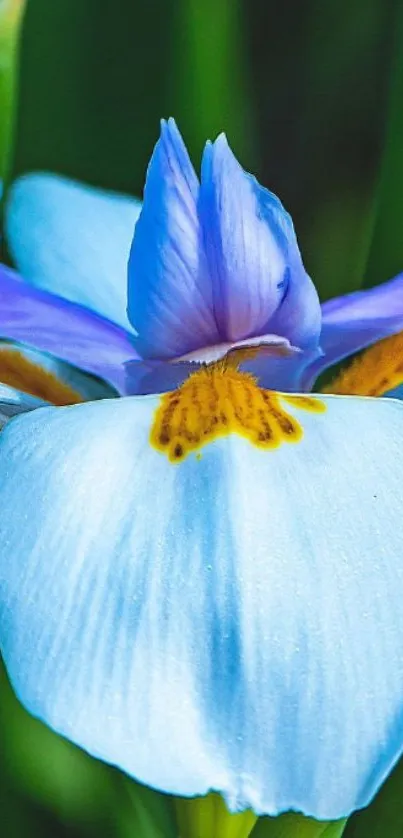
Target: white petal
x: 230, y: 622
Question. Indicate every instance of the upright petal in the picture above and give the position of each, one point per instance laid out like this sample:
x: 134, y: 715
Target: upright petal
x: 67, y: 331
x: 353, y: 321
x: 208, y: 624
x: 259, y: 282
x: 169, y: 292
x: 72, y: 240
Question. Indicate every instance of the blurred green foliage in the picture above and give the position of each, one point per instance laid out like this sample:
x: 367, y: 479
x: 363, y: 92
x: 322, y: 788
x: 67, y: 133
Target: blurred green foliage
x: 384, y: 818
x: 303, y: 90
x: 310, y: 95
x: 10, y: 18
x: 117, y: 68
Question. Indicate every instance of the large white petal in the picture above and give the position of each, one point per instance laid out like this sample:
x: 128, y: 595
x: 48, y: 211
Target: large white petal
x: 231, y: 622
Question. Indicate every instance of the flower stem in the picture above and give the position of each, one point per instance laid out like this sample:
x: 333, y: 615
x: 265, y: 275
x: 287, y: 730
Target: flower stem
x: 208, y: 817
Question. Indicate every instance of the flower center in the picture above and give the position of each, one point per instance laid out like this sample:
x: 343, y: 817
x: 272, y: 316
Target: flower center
x: 219, y: 400
x: 374, y: 372
x: 18, y: 371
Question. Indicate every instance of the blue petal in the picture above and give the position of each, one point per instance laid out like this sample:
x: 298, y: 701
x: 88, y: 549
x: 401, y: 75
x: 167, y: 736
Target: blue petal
x: 233, y: 622
x: 259, y: 282
x: 170, y: 299
x: 13, y: 402
x: 73, y: 240
x: 353, y: 321
x: 66, y: 330
x: 88, y: 387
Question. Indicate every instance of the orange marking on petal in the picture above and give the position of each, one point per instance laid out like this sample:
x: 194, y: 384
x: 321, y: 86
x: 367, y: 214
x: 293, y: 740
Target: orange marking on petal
x: 374, y: 372
x: 219, y: 400
x: 19, y: 372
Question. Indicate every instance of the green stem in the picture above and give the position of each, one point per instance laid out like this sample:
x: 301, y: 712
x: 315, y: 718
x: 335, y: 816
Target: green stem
x: 208, y: 817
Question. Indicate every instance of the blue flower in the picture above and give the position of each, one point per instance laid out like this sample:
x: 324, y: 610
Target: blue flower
x: 214, y: 266
x: 203, y: 587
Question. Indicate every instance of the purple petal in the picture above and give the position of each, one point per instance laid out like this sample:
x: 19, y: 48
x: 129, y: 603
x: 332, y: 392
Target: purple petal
x: 169, y: 291
x: 353, y: 321
x: 66, y: 330
x: 259, y: 282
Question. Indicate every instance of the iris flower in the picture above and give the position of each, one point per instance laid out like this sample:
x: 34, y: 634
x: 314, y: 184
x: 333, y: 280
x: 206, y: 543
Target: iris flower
x: 204, y: 586
x: 213, y: 265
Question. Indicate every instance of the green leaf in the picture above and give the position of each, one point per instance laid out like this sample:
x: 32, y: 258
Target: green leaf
x: 384, y: 817
x: 293, y: 825
x: 96, y: 77
x: 92, y: 89
x: 211, y: 75
x: 385, y: 257
x: 150, y: 814
x: 11, y: 12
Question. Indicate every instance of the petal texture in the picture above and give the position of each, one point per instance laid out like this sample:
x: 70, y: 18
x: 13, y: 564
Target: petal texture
x: 65, y: 330
x: 354, y: 321
x: 170, y: 295
x: 233, y: 622
x: 259, y: 282
x: 72, y: 240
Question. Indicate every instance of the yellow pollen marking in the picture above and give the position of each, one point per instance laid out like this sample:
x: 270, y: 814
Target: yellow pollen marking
x: 305, y: 403
x: 219, y: 400
x: 374, y: 372
x: 18, y: 371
